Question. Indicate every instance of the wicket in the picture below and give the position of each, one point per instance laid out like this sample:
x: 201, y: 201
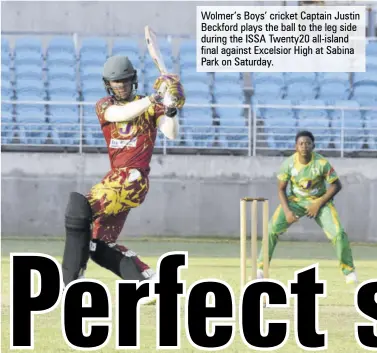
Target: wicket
x: 254, y: 244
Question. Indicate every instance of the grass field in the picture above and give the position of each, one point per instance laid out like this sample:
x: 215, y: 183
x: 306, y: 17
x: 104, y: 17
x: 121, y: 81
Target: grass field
x: 210, y: 259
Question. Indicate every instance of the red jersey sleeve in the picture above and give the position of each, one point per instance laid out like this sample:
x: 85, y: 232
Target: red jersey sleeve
x: 101, y: 107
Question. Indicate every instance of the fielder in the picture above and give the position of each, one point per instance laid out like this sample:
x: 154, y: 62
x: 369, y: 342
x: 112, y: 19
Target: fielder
x: 307, y: 172
x: 129, y: 123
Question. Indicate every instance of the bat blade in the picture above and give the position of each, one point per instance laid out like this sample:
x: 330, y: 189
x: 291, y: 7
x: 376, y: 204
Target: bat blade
x: 154, y: 50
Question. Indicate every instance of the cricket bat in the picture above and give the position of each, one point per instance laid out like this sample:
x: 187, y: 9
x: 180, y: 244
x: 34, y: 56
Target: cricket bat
x: 155, y: 53
x: 154, y: 50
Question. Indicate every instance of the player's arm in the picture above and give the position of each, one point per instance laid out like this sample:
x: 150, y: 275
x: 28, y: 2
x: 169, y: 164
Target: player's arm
x: 332, y: 190
x: 335, y: 186
x: 173, y: 91
x: 283, y: 179
x: 289, y: 214
x: 128, y: 112
x: 174, y: 98
x: 168, y: 123
x: 332, y: 179
x: 282, y: 192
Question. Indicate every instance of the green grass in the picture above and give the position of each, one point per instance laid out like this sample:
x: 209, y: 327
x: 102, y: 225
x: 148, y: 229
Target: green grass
x: 210, y: 259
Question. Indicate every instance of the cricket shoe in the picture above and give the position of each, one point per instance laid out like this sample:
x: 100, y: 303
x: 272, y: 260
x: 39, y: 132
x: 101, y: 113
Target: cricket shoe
x: 260, y: 274
x: 352, y: 281
x: 151, y: 300
x: 351, y: 278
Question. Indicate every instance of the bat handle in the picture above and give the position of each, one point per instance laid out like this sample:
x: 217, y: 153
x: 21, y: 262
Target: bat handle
x: 162, y: 88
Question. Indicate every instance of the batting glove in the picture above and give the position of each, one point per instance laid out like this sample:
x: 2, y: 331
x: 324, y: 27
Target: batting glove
x: 174, y: 96
x: 163, y: 82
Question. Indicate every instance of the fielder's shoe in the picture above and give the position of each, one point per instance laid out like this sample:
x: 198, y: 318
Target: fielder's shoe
x: 260, y: 274
x: 152, y: 299
x: 351, y: 278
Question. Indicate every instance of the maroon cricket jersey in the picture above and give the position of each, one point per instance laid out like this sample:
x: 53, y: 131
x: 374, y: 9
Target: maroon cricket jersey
x: 130, y: 144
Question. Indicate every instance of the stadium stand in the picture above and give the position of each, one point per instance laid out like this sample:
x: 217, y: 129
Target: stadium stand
x: 50, y: 84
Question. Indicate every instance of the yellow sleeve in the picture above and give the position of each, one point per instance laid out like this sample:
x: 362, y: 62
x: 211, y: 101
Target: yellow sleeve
x: 284, y: 173
x: 329, y: 173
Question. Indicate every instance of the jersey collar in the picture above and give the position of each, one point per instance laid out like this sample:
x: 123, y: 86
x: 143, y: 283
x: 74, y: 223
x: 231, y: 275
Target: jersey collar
x: 297, y: 161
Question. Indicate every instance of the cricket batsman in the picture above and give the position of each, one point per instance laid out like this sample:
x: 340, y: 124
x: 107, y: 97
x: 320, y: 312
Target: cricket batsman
x: 129, y: 123
x: 307, y: 172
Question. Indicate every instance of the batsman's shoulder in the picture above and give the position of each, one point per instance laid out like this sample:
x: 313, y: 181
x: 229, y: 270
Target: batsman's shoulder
x: 107, y: 99
x: 103, y: 103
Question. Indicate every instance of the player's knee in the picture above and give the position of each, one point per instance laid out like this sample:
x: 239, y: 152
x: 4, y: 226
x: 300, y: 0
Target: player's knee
x: 78, y: 214
x: 341, y: 235
x: 274, y: 232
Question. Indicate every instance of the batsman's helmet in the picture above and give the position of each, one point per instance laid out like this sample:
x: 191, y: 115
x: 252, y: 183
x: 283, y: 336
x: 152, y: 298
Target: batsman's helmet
x: 116, y: 68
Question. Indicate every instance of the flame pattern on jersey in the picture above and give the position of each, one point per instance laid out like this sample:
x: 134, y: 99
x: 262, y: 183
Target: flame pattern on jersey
x: 116, y: 193
x: 130, y: 144
x: 112, y: 198
x: 111, y: 201
x: 125, y: 186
